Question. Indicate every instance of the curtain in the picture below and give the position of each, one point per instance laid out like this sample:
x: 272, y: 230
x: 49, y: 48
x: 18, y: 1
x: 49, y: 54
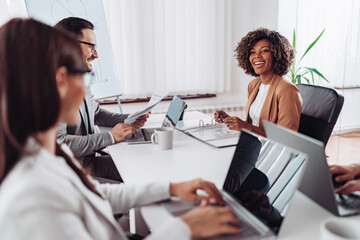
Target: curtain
x: 183, y: 46
x: 337, y: 53
x: 10, y: 9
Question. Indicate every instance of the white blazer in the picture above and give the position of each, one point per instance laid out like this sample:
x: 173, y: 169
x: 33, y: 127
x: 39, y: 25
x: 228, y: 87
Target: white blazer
x: 43, y: 198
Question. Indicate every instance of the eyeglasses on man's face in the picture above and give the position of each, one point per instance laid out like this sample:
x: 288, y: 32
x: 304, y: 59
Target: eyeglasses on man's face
x: 92, y: 46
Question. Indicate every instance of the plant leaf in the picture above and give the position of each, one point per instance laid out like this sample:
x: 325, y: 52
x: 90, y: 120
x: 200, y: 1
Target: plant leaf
x: 308, y: 81
x: 312, y: 44
x: 312, y: 77
x: 298, y: 78
x: 317, y: 72
x: 294, y: 39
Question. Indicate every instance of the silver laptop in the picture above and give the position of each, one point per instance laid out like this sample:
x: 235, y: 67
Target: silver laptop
x: 260, y: 171
x: 317, y: 182
x: 143, y: 135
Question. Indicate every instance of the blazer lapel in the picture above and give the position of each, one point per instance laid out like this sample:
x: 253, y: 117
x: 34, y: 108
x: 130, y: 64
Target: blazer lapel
x: 82, y: 111
x: 90, y: 112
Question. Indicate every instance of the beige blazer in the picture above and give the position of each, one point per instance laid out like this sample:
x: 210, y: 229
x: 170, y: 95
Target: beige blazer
x: 43, y: 198
x: 282, y: 105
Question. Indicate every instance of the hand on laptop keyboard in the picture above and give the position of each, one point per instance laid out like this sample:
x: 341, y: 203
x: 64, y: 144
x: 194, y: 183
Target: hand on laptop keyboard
x: 121, y: 130
x: 207, y: 221
x: 349, y: 187
x: 188, y: 191
x: 344, y: 173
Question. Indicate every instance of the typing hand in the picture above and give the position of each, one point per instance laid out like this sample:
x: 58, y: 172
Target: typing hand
x: 206, y: 221
x: 121, y: 131
x: 349, y: 187
x: 187, y: 191
x: 344, y: 173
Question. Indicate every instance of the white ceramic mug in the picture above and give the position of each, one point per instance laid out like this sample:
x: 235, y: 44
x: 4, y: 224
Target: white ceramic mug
x: 163, y: 137
x: 340, y: 229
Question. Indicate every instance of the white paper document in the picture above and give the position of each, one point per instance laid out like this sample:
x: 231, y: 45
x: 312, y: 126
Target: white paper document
x: 155, y: 99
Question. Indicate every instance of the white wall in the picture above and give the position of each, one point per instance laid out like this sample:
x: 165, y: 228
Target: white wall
x: 248, y: 15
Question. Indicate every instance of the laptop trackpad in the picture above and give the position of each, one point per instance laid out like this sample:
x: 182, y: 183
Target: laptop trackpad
x: 137, y: 138
x: 177, y: 207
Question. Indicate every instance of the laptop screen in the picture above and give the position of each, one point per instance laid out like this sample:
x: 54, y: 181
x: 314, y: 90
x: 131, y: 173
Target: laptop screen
x: 174, y: 112
x: 263, y: 177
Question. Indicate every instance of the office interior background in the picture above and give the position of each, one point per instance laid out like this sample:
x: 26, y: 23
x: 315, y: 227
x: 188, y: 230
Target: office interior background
x: 187, y: 47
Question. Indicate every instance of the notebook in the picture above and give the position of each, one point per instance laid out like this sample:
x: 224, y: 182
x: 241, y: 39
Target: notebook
x: 278, y: 170
x: 175, y: 110
x: 317, y: 182
x: 214, y: 134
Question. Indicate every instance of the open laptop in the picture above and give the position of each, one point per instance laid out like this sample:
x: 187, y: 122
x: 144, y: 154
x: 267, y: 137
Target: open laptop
x: 143, y: 135
x: 279, y: 170
x: 317, y: 182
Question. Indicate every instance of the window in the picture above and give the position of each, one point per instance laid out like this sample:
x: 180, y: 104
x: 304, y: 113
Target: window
x: 183, y: 46
x: 337, y: 53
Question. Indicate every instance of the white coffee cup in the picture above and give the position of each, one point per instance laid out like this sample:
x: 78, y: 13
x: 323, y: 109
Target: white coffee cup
x: 340, y: 229
x: 163, y: 137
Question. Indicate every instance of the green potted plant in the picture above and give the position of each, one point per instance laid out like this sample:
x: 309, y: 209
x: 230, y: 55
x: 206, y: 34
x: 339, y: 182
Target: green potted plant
x: 299, y: 74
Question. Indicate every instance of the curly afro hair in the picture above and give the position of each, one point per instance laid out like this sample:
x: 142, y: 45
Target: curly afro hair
x: 283, y: 53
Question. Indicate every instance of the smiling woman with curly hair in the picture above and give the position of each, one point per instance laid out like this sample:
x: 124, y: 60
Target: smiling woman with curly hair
x: 267, y: 55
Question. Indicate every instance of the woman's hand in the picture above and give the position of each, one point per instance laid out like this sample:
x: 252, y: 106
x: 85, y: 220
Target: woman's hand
x: 206, y: 221
x: 344, y: 173
x: 235, y: 123
x: 187, y: 191
x: 220, y: 116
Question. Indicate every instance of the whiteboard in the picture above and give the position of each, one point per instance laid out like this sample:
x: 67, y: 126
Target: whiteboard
x: 105, y: 83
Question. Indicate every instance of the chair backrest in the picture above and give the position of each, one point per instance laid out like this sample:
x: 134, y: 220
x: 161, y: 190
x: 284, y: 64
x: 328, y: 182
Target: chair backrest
x: 320, y: 111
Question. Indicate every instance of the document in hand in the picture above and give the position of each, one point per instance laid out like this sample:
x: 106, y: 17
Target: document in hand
x: 155, y: 99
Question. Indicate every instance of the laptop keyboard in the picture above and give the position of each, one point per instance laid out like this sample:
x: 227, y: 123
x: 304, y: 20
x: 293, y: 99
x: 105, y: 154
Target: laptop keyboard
x: 248, y: 232
x: 350, y: 201
x: 147, y: 133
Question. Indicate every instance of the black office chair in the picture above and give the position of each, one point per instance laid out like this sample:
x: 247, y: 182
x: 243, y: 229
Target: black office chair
x: 320, y: 111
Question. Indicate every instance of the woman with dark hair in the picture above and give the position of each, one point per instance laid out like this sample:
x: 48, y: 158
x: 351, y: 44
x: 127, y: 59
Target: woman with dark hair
x: 267, y: 55
x: 44, y: 192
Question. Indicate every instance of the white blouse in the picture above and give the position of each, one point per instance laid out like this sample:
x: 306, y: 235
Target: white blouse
x: 256, y: 106
x: 43, y: 198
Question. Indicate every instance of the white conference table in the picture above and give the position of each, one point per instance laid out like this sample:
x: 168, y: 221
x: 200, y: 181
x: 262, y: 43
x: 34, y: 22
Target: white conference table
x: 191, y: 159
x: 188, y: 159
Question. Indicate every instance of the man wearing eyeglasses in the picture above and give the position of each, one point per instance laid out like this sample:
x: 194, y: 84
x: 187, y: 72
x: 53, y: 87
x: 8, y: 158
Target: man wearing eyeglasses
x: 82, y: 139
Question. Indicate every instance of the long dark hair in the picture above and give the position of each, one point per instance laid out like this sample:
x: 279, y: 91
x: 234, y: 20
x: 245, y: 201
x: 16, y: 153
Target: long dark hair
x: 30, y: 54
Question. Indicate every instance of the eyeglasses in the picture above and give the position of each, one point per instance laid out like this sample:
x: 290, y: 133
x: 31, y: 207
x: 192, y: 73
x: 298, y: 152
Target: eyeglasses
x: 92, y: 46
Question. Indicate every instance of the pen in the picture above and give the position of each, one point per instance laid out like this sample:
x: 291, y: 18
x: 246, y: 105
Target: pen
x: 221, y: 118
